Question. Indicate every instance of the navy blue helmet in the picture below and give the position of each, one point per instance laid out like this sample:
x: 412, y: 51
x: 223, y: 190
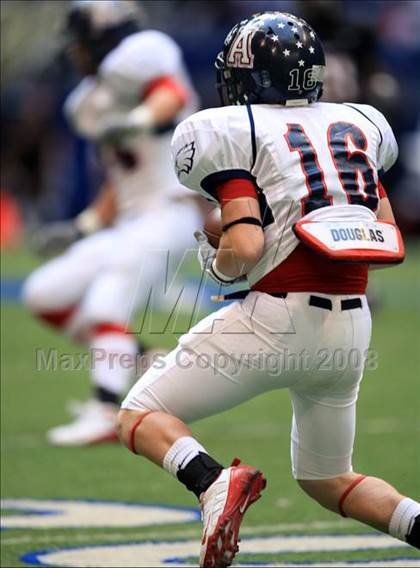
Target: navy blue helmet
x: 273, y: 58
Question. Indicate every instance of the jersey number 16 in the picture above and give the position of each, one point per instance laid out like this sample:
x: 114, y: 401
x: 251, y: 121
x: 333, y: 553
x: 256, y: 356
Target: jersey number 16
x: 349, y: 165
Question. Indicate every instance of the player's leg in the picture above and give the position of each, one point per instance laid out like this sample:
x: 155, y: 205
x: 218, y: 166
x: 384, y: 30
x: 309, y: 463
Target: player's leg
x: 134, y: 262
x: 114, y: 346
x: 219, y: 363
x: 200, y: 378
x: 135, y: 274
x: 102, y: 320
x: 363, y: 498
x: 57, y: 293
x: 322, y: 443
x: 371, y: 501
x: 203, y: 376
x: 53, y: 291
x: 137, y: 263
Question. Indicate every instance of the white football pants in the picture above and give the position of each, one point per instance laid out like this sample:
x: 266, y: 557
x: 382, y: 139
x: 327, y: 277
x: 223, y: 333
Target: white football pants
x: 265, y: 343
x: 112, y: 273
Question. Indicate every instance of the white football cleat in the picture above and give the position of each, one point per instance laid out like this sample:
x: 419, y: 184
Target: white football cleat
x: 222, y: 508
x: 95, y: 423
x: 76, y: 407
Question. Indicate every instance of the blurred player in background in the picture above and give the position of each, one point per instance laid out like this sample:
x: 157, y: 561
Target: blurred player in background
x: 134, y: 90
x: 272, y: 157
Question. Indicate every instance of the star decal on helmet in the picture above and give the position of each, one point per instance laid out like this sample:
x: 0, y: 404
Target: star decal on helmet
x: 184, y: 158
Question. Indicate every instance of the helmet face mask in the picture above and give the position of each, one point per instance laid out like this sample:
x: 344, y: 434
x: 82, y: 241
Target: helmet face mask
x: 271, y: 58
x: 228, y: 90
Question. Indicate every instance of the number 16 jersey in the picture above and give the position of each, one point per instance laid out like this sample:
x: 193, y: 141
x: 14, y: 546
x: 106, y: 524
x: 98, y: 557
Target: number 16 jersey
x: 300, y: 159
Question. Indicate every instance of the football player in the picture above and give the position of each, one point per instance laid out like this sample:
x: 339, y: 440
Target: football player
x: 134, y: 90
x: 297, y: 182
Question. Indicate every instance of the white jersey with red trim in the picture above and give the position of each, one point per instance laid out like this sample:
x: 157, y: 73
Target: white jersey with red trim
x: 139, y: 166
x: 300, y: 159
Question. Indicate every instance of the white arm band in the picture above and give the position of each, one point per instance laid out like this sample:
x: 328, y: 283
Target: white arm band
x: 220, y: 276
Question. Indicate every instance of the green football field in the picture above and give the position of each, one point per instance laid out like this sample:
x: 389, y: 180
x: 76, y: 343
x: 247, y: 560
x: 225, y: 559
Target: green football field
x: 388, y: 445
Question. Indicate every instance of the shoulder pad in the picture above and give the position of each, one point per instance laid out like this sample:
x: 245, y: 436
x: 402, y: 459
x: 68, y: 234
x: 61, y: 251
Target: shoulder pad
x: 141, y: 58
x: 388, y: 147
x: 211, y: 147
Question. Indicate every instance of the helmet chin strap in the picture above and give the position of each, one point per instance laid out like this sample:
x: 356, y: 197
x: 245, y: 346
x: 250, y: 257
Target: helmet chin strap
x: 320, y: 92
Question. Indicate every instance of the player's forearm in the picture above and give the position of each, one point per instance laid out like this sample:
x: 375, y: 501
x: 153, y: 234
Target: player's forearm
x: 164, y: 104
x: 229, y: 265
x: 239, y: 253
x: 241, y: 245
x: 159, y: 109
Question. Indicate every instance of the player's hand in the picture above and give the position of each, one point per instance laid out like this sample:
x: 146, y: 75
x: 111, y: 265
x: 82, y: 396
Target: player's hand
x: 117, y: 125
x: 54, y: 238
x: 113, y: 127
x: 206, y: 253
x: 206, y: 257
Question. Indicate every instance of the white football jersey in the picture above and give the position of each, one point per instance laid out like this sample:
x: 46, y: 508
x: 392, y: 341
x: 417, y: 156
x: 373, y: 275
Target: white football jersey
x: 300, y: 158
x: 139, y: 166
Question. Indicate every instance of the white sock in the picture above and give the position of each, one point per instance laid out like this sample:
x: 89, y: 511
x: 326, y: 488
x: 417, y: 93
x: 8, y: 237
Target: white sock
x: 113, y: 361
x: 181, y: 453
x: 403, y: 518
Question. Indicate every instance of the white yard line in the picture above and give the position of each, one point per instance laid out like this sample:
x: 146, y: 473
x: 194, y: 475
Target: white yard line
x: 74, y: 536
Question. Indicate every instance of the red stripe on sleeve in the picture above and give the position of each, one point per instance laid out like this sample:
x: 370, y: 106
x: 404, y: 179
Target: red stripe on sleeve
x: 381, y: 189
x: 169, y: 83
x: 235, y: 188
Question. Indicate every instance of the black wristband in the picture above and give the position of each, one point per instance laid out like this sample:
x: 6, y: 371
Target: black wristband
x: 242, y: 220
